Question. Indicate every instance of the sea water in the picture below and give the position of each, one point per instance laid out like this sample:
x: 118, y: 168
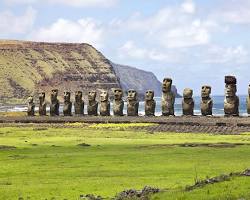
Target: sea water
x: 218, y: 106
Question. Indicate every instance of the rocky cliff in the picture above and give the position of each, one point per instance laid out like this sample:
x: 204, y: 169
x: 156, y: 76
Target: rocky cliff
x: 29, y: 67
x: 140, y: 80
x: 26, y: 68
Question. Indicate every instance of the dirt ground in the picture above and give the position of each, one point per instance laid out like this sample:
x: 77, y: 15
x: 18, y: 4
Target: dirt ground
x: 194, y: 124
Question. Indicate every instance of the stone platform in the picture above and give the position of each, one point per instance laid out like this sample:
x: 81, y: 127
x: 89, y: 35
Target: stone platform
x: 196, y: 124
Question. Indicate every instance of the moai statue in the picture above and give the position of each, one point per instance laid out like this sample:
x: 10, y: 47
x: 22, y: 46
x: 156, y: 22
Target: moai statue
x: 54, y: 106
x: 104, y: 103
x: 67, y: 107
x: 231, y: 102
x: 248, y: 101
x: 149, y: 103
x: 31, y: 107
x: 168, y: 98
x: 188, y: 102
x: 206, y: 101
x: 79, y: 103
x: 118, y: 103
x: 42, y: 104
x: 93, y: 104
x: 133, y: 103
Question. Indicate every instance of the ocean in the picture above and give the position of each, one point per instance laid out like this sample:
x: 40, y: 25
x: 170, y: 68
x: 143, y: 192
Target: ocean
x: 217, y: 107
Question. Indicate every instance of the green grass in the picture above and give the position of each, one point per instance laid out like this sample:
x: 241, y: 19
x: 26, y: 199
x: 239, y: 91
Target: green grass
x: 51, y: 163
x: 236, y: 188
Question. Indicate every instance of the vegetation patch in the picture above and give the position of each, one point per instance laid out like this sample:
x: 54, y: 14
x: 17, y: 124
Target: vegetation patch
x: 246, y: 172
x: 217, y: 179
x: 17, y: 157
x: 13, y: 114
x: 54, y: 145
x: 84, y: 145
x: 5, y: 183
x: 216, y: 145
x: 5, y: 147
x: 91, y: 197
x: 118, y: 126
x: 75, y: 124
x: 218, y: 187
x: 137, y: 194
x: 213, y: 145
x: 40, y: 129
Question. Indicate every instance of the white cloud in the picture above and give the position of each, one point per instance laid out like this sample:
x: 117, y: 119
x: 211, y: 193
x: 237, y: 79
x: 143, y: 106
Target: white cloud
x: 11, y: 23
x: 198, y: 56
x: 170, y: 35
x: 188, y: 6
x: 9, y: 2
x: 232, y: 11
x: 131, y: 50
x: 74, y: 3
x: 170, y: 27
x: 84, y: 30
x: 177, y: 35
x: 226, y: 55
x: 186, y: 36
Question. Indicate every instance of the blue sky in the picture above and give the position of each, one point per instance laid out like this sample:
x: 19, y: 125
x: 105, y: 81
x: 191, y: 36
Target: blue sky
x: 195, y: 42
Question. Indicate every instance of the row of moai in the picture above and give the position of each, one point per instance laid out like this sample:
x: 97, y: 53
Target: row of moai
x: 93, y: 104
x: 231, y: 102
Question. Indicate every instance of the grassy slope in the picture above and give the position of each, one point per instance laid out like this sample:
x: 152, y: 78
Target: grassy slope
x: 236, y: 188
x: 49, y: 163
x: 27, y: 67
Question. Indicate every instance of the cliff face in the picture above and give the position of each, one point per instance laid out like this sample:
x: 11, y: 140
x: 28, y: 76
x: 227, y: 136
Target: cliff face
x: 26, y: 68
x: 29, y: 67
x: 140, y: 80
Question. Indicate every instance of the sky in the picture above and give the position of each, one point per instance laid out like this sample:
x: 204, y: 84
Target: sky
x: 195, y: 42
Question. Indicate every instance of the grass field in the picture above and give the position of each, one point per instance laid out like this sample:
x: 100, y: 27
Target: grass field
x: 64, y: 163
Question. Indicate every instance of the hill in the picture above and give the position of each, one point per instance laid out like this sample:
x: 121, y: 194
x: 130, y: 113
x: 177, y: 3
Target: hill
x: 131, y: 77
x: 29, y: 67
x: 26, y: 68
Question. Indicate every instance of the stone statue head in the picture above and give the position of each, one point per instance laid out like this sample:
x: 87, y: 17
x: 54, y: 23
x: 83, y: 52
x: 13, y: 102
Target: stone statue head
x: 205, y: 91
x: 187, y: 93
x: 230, y: 80
x: 92, y: 95
x: 249, y: 89
x: 166, y: 85
x: 230, y: 90
x: 30, y: 100
x: 66, y: 96
x: 78, y: 96
x: 104, y: 96
x: 149, y: 95
x: 132, y: 95
x: 54, y: 94
x: 42, y: 97
x: 118, y: 94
